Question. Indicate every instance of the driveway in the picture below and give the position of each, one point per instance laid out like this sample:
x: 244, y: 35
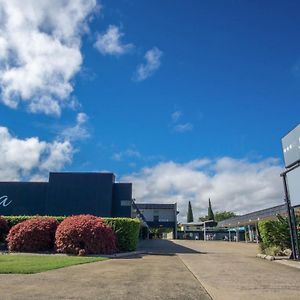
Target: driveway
x: 231, y: 271
x: 147, y: 277
x: 175, y: 270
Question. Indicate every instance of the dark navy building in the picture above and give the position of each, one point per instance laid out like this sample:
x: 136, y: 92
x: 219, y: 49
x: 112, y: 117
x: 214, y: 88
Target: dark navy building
x: 68, y: 194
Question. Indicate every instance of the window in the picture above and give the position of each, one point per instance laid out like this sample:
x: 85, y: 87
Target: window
x: 155, y: 216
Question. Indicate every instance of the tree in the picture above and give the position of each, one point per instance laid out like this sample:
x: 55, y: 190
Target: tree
x: 210, y: 213
x: 224, y: 215
x: 220, y: 216
x: 190, y: 217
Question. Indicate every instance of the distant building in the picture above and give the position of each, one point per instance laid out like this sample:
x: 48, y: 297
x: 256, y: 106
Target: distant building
x: 157, y: 215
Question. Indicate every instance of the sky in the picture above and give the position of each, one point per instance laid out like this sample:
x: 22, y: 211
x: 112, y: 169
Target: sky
x: 186, y: 99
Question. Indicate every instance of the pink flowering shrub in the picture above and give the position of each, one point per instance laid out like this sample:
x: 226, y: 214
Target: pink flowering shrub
x: 33, y: 235
x: 85, y: 234
x: 3, y: 228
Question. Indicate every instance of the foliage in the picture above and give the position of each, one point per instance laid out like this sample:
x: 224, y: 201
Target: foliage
x: 3, y: 229
x: 210, y: 213
x: 126, y: 229
x: 29, y: 264
x: 224, y: 215
x: 14, y: 220
x: 127, y: 232
x: 85, y: 234
x: 219, y: 216
x: 32, y: 235
x: 190, y: 217
x: 158, y: 232
x: 275, y: 233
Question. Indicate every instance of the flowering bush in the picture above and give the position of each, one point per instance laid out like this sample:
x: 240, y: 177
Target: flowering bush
x: 33, y: 235
x: 3, y: 228
x: 85, y: 234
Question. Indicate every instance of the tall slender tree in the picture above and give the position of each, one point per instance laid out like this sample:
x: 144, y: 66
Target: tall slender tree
x: 190, y: 217
x: 210, y: 213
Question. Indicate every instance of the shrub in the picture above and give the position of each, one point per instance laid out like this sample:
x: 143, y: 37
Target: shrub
x: 127, y: 232
x: 3, y: 229
x: 126, y: 229
x: 14, y: 220
x: 32, y: 235
x: 275, y: 233
x: 85, y: 234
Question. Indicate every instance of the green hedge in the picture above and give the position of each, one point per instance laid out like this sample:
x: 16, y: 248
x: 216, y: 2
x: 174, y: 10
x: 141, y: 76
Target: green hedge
x: 275, y: 233
x: 14, y: 220
x: 126, y: 229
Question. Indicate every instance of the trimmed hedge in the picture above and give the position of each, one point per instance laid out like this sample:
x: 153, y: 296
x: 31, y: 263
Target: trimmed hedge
x: 127, y: 232
x: 14, y: 220
x: 32, y: 235
x: 126, y: 229
x: 85, y: 234
x: 3, y: 229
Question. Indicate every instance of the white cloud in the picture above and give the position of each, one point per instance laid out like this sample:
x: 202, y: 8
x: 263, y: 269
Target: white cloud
x: 152, y: 64
x: 183, y: 127
x: 79, y: 131
x: 128, y: 153
x: 176, y: 116
x: 180, y: 127
x: 40, y: 51
x: 31, y: 158
x: 233, y: 185
x: 110, y: 42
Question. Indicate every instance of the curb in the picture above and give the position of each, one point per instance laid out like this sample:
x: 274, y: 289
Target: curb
x: 271, y: 257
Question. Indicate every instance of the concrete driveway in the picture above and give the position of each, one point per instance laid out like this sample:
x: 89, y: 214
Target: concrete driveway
x: 175, y: 270
x: 231, y: 271
x: 147, y: 277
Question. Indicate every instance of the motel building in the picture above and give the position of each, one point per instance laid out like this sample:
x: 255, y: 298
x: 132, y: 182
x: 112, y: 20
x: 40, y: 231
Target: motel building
x: 245, y: 227
x: 73, y: 193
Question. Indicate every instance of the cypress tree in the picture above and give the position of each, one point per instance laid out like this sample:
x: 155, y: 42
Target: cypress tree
x: 210, y: 213
x: 190, y: 217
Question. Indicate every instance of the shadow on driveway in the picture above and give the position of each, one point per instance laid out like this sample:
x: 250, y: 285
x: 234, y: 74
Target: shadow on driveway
x: 164, y: 247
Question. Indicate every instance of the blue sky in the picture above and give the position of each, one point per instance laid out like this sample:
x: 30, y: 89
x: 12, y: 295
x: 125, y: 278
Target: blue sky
x: 221, y: 81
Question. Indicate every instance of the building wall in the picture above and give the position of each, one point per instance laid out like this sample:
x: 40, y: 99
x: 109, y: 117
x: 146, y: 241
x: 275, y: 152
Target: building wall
x: 80, y: 193
x: 122, y: 195
x: 67, y: 194
x: 23, y: 198
x: 164, y: 215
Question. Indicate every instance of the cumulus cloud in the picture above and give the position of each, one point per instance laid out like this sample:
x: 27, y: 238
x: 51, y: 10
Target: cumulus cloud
x: 31, y: 158
x: 152, y: 64
x: 79, y: 131
x: 233, y: 185
x: 40, y: 51
x: 110, y: 43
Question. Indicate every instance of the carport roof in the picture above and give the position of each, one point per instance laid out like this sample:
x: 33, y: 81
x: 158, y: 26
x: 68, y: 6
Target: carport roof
x: 253, y: 217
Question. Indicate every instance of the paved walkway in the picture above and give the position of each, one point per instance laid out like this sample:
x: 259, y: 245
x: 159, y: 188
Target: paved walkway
x: 176, y: 270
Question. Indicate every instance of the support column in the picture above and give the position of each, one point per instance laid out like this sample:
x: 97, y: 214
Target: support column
x: 250, y: 233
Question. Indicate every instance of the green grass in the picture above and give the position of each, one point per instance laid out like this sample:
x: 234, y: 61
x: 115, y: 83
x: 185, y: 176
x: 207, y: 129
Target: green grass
x: 28, y: 264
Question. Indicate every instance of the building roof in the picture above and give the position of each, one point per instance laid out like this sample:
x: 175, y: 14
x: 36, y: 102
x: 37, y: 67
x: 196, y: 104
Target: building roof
x: 156, y: 205
x: 253, y: 217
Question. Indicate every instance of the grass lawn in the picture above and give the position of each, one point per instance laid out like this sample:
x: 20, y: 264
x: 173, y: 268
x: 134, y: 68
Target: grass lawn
x: 28, y: 264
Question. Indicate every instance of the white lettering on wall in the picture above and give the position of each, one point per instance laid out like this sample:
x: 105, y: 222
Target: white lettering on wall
x: 4, y: 201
